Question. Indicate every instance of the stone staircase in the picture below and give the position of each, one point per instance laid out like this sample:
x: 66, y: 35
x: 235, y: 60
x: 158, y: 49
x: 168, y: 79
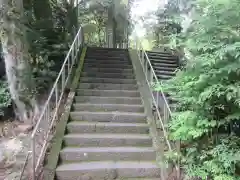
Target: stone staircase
x: 165, y: 66
x: 107, y: 135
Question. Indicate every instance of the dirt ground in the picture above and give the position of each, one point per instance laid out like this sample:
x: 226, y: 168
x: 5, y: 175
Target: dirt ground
x: 15, y: 143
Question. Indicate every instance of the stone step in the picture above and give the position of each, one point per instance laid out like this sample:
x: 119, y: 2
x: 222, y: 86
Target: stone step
x: 107, y: 170
x: 107, y: 140
x: 123, y: 117
x: 108, y: 100
x: 108, y: 75
x: 168, y: 58
x: 107, y: 53
x: 163, y: 65
x: 164, y: 68
x: 98, y: 65
x: 107, y: 57
x: 109, y: 93
x: 138, y: 179
x: 94, y: 48
x: 107, y: 61
x: 108, y: 70
x: 159, y: 52
x: 107, y: 80
x: 165, y: 61
x: 101, y: 52
x: 108, y: 107
x: 101, y: 86
x: 74, y: 154
x: 107, y: 127
x: 164, y: 76
x: 108, y: 50
x: 171, y: 73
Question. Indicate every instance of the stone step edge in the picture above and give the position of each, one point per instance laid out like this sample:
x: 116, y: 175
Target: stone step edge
x: 99, y: 90
x: 103, y: 97
x: 120, y: 124
x: 106, y: 104
x: 120, y: 149
x: 107, y: 113
x: 106, y: 165
x: 108, y: 136
x: 107, y: 78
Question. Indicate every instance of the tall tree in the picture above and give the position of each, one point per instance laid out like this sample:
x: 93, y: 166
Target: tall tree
x: 16, y: 56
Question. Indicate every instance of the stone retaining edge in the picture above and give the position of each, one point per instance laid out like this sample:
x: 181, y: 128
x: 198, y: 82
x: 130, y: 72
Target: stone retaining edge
x: 53, y: 156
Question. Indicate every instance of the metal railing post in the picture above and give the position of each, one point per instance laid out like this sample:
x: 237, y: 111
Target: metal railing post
x: 165, y: 114
x: 46, y: 115
x: 33, y: 158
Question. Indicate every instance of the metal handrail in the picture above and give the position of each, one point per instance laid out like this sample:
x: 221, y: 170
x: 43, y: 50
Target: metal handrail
x: 49, y: 114
x: 151, y: 78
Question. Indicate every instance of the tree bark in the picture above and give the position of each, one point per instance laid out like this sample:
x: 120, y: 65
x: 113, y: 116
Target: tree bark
x: 16, y: 57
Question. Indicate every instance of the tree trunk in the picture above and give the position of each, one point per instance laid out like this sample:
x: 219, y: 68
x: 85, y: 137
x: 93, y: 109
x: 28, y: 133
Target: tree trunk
x: 16, y: 56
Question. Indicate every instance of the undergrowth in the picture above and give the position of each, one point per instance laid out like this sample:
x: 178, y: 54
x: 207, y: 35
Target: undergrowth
x: 206, y: 120
x: 5, y: 98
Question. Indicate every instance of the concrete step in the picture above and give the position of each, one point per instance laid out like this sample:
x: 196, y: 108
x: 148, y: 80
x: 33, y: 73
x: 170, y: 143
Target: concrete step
x: 108, y: 117
x: 108, y: 75
x: 108, y: 100
x: 166, y: 57
x: 94, y: 48
x: 109, y: 93
x: 107, y: 127
x: 74, y: 154
x: 164, y: 68
x: 107, y: 170
x: 108, y: 107
x: 98, y: 65
x: 107, y: 80
x: 170, y: 73
x: 164, y: 76
x: 106, y: 49
x: 101, y: 53
x: 138, y: 179
x: 107, y: 57
x: 165, y: 61
x: 159, y: 52
x: 101, y: 86
x: 107, y: 61
x: 108, y: 70
x: 107, y: 140
x: 163, y: 64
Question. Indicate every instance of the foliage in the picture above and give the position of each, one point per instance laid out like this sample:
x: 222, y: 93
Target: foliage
x: 5, y: 98
x: 49, y: 27
x: 49, y: 35
x: 207, y: 115
x: 93, y: 14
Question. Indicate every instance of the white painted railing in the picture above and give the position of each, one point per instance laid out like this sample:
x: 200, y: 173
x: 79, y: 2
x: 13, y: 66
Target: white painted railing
x: 163, y: 112
x: 49, y: 113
